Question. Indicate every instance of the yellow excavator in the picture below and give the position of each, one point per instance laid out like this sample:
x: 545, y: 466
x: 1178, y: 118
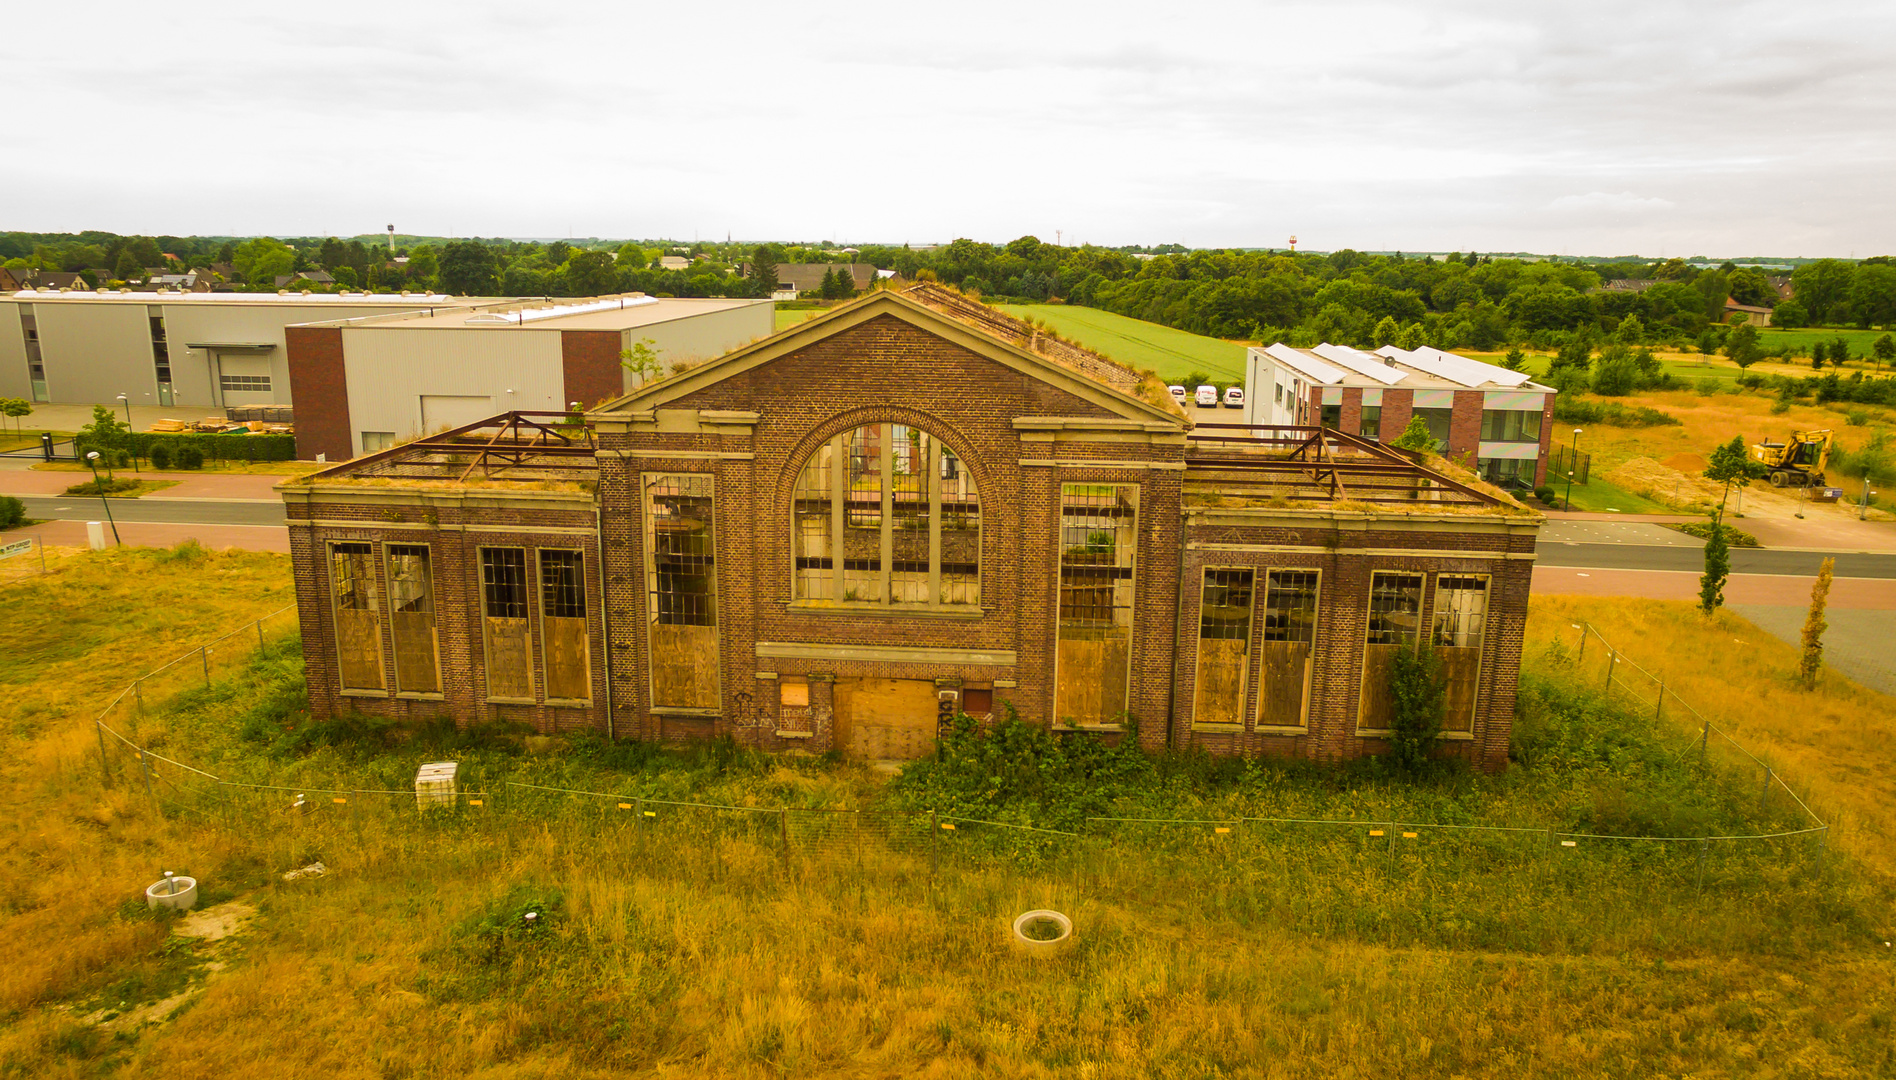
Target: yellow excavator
x: 1798, y: 463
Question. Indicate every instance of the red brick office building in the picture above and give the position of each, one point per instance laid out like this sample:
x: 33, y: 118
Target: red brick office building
x: 909, y: 506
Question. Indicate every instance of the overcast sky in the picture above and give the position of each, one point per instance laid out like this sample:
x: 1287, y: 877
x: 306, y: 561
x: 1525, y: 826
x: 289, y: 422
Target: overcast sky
x: 1660, y: 127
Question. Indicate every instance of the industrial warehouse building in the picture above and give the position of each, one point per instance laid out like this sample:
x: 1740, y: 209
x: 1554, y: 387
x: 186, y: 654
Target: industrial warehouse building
x: 1492, y: 420
x: 363, y: 384
x: 390, y: 365
x: 837, y: 537
x: 192, y: 351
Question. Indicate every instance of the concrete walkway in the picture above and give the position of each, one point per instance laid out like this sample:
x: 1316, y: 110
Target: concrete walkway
x: 1856, y: 644
x: 197, y: 486
x: 274, y: 538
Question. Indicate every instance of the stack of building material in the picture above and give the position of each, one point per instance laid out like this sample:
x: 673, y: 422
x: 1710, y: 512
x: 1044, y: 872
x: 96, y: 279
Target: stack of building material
x: 435, y: 784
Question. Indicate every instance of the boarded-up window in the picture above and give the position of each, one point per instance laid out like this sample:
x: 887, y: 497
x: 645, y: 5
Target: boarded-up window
x: 793, y: 704
x: 1395, y: 614
x: 412, y: 615
x: 886, y: 514
x: 564, y: 640
x: 358, y: 629
x: 1098, y: 537
x: 978, y: 701
x: 681, y: 573
x: 504, y: 623
x: 1290, y: 633
x: 1224, y: 645
x: 1460, y: 621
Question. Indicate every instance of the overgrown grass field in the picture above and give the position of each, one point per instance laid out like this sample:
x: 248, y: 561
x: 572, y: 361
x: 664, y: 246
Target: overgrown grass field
x: 701, y: 943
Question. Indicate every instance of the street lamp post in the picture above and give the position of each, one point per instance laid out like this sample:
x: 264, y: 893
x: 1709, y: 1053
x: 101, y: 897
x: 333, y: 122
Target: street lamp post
x: 92, y: 459
x: 128, y: 426
x: 1573, y: 459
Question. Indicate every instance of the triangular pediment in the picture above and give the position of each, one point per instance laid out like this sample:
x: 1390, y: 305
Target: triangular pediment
x: 891, y: 304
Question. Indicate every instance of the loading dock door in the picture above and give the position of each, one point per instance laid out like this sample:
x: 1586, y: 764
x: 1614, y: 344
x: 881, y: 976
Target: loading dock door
x: 442, y: 411
x: 885, y: 719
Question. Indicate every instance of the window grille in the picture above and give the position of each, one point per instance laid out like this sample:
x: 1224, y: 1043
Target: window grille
x: 684, y: 549
x: 354, y: 577
x: 1395, y: 607
x: 1098, y: 535
x: 562, y: 585
x: 903, y: 511
x: 504, y: 582
x: 1290, y: 606
x: 410, y: 584
x: 1225, y: 611
x: 1461, y: 611
x: 245, y: 383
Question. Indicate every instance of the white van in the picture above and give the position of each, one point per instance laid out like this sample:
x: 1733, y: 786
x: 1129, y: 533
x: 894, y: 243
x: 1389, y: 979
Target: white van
x: 1207, y: 397
x: 1177, y: 392
x: 1234, y: 397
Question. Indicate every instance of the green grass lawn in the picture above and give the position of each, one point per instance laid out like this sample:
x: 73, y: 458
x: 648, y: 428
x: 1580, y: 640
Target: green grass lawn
x: 787, y: 318
x: 1172, y: 353
x: 1599, y: 497
x: 1860, y: 340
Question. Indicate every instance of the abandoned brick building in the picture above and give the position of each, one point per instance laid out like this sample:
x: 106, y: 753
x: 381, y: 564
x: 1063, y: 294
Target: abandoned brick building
x: 911, y: 505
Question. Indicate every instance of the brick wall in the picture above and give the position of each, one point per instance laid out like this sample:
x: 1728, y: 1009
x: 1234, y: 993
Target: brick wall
x: 589, y: 361
x: 1464, y: 429
x: 1547, y: 435
x: 319, y: 386
x: 1398, y: 407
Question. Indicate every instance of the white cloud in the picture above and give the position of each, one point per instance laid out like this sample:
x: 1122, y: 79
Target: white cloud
x: 1609, y: 204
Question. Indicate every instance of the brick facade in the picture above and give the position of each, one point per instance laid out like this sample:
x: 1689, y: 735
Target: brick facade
x: 589, y: 364
x: 1023, y: 427
x: 319, y: 385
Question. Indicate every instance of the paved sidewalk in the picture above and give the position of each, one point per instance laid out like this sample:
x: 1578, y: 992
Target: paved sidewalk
x: 1857, y: 594
x: 191, y: 485
x: 161, y: 534
x: 1856, y: 644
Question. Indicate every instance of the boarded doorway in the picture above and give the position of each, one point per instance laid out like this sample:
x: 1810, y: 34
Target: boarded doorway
x: 885, y: 718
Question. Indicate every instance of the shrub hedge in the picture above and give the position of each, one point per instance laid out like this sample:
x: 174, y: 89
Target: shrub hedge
x: 213, y: 447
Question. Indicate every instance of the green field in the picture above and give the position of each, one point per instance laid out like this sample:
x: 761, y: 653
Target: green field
x: 1860, y: 340
x: 789, y: 317
x: 1172, y: 353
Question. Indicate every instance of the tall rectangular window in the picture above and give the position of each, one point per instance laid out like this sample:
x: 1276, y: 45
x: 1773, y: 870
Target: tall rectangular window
x: 1290, y: 634
x: 810, y: 523
x: 1460, y: 624
x: 1370, y: 426
x: 564, y: 642
x: 1099, y: 536
x: 412, y: 616
x: 681, y: 575
x: 504, y: 623
x: 1224, y: 645
x: 864, y: 509
x: 1331, y: 417
x: 1395, y: 615
x: 910, y: 476
x: 960, y: 547
x: 358, y: 627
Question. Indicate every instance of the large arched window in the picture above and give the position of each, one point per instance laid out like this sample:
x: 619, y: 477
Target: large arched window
x: 887, y: 515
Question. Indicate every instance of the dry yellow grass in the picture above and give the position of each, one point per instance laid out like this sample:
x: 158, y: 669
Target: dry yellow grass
x: 713, y: 958
x: 1834, y: 741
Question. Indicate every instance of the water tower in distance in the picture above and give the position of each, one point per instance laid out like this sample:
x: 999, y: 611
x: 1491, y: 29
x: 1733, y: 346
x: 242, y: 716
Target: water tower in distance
x: 391, y: 240
x: 1293, y: 243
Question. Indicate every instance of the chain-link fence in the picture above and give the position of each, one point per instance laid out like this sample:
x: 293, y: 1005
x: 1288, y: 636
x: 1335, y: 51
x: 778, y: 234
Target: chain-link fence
x: 931, y: 842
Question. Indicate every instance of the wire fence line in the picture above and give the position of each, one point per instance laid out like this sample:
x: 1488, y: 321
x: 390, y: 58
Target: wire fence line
x: 176, y: 787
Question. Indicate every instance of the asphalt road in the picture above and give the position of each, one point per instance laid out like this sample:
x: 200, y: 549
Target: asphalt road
x: 1692, y: 557
x: 175, y: 511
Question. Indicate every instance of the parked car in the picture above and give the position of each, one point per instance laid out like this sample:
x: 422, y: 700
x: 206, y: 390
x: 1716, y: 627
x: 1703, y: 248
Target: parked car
x: 1234, y: 397
x: 1207, y: 397
x: 1178, y: 393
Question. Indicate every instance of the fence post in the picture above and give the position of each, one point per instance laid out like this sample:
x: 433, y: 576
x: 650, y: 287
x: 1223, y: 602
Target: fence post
x: 1765, y: 795
x: 105, y: 767
x: 1582, y: 661
x: 145, y: 762
x: 259, y: 635
x: 204, y: 653
x: 1702, y: 845
x: 1705, y: 736
x: 138, y: 695
x: 934, y: 842
x: 1606, y: 687
x: 1659, y: 710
